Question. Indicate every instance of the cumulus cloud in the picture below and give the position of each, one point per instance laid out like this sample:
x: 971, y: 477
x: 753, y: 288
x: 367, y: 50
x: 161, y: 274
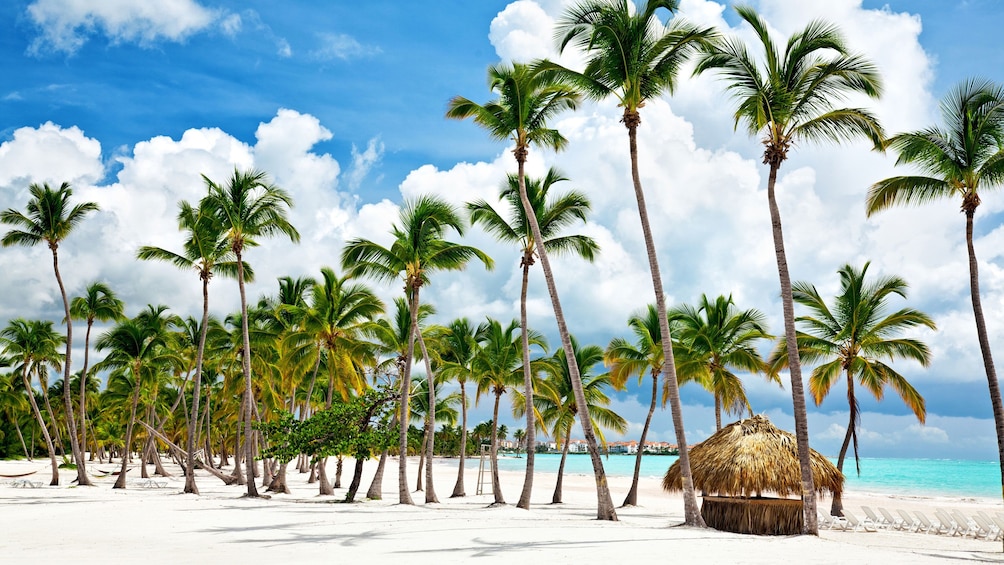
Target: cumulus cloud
x: 67, y: 24
x: 341, y: 46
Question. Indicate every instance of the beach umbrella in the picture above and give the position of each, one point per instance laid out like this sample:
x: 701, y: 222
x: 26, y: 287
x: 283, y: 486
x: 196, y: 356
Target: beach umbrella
x: 742, y: 462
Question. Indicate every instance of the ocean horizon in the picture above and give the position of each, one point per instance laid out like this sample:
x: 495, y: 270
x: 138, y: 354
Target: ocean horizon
x: 924, y: 477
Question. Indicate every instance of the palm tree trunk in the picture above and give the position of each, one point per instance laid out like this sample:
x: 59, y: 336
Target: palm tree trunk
x: 404, y: 416
x: 837, y: 506
x: 52, y: 416
x: 692, y: 514
x: 810, y: 525
x: 632, y: 497
x: 524, y: 497
x: 375, y: 492
x: 190, y: 486
x: 421, y: 461
x: 496, y: 483
x: 556, y: 497
x: 718, y: 412
x: 71, y: 425
x: 430, y: 423
x: 279, y: 484
x: 83, y: 391
x: 248, y: 394
x: 324, y: 489
x: 338, y: 472
x: 45, y: 431
x: 21, y: 437
x: 604, y: 505
x: 981, y: 331
x: 357, y: 477
x: 120, y: 482
x: 458, y: 488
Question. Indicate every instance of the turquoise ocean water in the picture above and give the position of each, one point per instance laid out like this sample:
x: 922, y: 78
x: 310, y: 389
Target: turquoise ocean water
x: 909, y: 477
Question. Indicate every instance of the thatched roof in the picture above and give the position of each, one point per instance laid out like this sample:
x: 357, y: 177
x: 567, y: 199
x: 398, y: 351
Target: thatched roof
x: 750, y: 457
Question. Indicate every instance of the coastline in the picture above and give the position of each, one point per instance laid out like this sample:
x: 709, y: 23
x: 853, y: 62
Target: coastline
x: 160, y: 525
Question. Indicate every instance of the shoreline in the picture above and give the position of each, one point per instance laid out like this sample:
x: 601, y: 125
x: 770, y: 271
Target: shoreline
x: 159, y: 525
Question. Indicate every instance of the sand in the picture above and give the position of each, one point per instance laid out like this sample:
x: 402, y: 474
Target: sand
x: 162, y: 525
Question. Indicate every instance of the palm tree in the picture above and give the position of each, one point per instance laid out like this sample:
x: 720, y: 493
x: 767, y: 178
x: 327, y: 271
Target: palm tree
x: 497, y: 366
x: 13, y: 404
x: 553, y: 212
x: 645, y: 356
x: 136, y: 347
x: 459, y: 345
x: 445, y: 410
x: 632, y: 56
x: 789, y: 97
x: 419, y: 249
x: 558, y: 405
x: 248, y: 207
x: 960, y: 159
x: 716, y: 338
x: 527, y: 98
x: 32, y: 344
x: 50, y: 219
x: 852, y: 337
x: 100, y: 304
x: 208, y: 253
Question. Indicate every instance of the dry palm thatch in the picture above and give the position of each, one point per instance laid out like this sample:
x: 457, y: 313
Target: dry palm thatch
x: 751, y: 457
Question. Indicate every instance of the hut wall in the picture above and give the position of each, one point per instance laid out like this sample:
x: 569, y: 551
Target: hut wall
x: 761, y: 516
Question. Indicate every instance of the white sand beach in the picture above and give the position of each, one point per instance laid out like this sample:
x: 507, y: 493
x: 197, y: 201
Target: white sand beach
x: 162, y: 525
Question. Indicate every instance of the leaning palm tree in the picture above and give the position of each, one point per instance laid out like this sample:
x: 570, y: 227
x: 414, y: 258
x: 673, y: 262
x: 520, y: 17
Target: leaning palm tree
x: 852, y: 337
x: 633, y: 56
x: 98, y: 304
x: 960, y: 159
x: 33, y: 347
x: 558, y: 406
x: 419, y: 248
x: 787, y: 97
x: 206, y: 252
x: 644, y: 356
x: 715, y: 339
x: 527, y: 98
x: 554, y: 212
x: 50, y: 219
x: 248, y: 207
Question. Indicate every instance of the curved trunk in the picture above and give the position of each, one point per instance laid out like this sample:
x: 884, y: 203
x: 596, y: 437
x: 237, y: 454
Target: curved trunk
x: 83, y: 394
x: 324, y: 488
x: 692, y: 514
x: 632, y: 497
x: 279, y: 483
x: 794, y: 364
x: 71, y: 425
x: 404, y: 414
x: 458, y: 488
x: 120, y: 482
x: 837, y: 506
x: 58, y: 440
x: 421, y: 461
x: 556, y: 498
x: 248, y: 394
x: 190, y: 485
x: 357, y: 477
x: 45, y: 431
x: 524, y: 497
x: 496, y: 484
x: 375, y: 492
x: 21, y: 437
x: 430, y: 424
x: 604, y: 505
x: 981, y: 330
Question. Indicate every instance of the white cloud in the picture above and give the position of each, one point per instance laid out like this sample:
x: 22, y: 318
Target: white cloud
x: 342, y: 46
x: 363, y: 162
x: 67, y: 24
x: 49, y: 153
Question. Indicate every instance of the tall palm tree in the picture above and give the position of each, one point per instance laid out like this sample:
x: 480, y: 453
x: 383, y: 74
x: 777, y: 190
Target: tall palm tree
x: 136, y: 349
x: 33, y: 347
x: 249, y: 207
x: 962, y: 158
x: 716, y: 338
x: 790, y: 96
x: 13, y: 403
x: 459, y: 345
x: 207, y: 252
x: 558, y: 406
x: 419, y: 249
x: 852, y: 337
x: 498, y: 366
x: 554, y: 212
x: 50, y: 219
x: 527, y: 98
x: 98, y: 304
x: 445, y: 411
x: 644, y: 356
x: 633, y: 56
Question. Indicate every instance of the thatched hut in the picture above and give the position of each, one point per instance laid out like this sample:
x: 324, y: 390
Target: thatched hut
x: 742, y: 462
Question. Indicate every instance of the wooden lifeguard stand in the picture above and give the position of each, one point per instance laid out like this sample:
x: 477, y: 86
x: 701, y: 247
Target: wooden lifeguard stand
x: 483, y: 477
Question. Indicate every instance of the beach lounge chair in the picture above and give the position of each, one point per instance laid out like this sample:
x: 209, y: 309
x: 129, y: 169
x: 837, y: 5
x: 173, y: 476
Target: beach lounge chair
x: 892, y: 521
x: 866, y: 524
x: 984, y: 528
x: 910, y: 524
x: 926, y: 524
x: 825, y: 520
x: 964, y: 525
x: 999, y: 522
x: 870, y: 515
x: 945, y: 523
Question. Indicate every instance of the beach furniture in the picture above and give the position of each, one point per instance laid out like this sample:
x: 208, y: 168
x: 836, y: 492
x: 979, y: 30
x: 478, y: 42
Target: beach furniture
x: 984, y: 528
x: 150, y: 483
x: 870, y: 515
x: 867, y: 524
x: 891, y: 520
x: 999, y: 522
x: 909, y: 523
x: 825, y: 520
x: 964, y: 525
x: 926, y: 524
x: 945, y: 523
x: 25, y: 483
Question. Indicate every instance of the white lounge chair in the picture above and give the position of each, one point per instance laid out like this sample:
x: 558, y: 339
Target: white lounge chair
x: 984, y: 528
x: 852, y: 520
x: 999, y: 522
x: 926, y: 524
x: 964, y: 524
x: 870, y: 515
x: 910, y: 524
x: 946, y: 525
x: 892, y: 521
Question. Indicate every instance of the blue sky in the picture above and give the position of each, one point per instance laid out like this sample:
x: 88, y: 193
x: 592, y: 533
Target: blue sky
x: 344, y: 105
